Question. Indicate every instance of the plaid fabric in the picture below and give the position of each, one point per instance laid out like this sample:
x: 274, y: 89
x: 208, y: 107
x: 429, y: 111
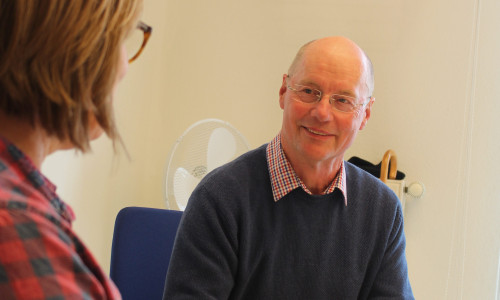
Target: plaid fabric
x: 284, y: 179
x: 40, y: 256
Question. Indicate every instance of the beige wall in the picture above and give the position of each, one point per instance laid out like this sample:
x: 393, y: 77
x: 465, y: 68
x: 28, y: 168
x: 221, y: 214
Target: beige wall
x: 436, y: 68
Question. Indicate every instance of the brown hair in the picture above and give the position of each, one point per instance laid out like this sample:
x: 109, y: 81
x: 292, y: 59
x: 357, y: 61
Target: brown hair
x: 59, y: 61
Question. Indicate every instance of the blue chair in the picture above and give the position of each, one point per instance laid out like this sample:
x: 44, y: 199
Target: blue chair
x: 142, y: 243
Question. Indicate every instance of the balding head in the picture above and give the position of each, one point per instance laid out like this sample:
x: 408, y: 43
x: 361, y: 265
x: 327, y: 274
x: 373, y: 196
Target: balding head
x: 333, y: 47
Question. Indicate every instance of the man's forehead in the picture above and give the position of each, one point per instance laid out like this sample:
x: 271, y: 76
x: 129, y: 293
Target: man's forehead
x: 338, y: 58
x: 335, y: 66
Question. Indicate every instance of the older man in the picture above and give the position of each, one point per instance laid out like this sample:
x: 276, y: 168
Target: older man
x: 292, y: 219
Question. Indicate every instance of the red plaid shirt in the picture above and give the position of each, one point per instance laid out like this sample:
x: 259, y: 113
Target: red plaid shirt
x: 284, y: 179
x: 40, y: 256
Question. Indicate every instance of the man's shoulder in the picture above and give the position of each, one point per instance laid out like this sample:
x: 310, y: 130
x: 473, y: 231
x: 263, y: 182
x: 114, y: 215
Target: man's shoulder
x: 245, y: 175
x: 354, y: 171
x: 363, y: 186
x: 250, y: 157
x: 244, y: 166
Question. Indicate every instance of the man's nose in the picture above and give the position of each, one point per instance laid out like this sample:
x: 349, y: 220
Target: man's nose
x: 323, y: 109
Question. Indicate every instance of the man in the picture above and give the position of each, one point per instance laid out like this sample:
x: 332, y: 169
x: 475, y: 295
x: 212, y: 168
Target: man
x: 292, y: 219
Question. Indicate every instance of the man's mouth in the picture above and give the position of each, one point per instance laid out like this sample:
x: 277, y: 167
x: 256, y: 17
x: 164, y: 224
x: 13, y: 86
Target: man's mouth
x: 317, y: 132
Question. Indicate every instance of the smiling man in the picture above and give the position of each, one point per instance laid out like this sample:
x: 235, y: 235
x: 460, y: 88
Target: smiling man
x: 291, y: 219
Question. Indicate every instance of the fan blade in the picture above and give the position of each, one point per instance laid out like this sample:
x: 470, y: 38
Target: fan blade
x: 221, y: 148
x: 184, y: 184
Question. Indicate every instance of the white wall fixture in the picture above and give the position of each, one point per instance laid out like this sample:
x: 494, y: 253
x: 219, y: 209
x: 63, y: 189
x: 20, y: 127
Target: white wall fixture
x: 204, y: 146
x: 388, y: 172
x: 415, y: 190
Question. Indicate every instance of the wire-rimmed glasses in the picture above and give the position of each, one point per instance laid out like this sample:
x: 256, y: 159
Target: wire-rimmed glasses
x: 136, y: 42
x: 340, y: 103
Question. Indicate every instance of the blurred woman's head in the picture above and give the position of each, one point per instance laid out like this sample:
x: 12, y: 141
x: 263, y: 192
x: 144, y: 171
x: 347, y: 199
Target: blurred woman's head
x: 60, y: 61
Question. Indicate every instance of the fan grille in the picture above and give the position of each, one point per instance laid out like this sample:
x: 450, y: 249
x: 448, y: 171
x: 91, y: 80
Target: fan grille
x: 204, y: 146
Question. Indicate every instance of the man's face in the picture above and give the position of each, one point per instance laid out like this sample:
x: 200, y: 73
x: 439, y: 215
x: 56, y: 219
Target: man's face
x: 313, y: 133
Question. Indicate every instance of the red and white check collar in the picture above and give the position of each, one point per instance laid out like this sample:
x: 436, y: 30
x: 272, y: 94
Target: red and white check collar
x: 284, y: 179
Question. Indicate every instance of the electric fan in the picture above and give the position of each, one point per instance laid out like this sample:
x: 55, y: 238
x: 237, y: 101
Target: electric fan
x: 204, y: 146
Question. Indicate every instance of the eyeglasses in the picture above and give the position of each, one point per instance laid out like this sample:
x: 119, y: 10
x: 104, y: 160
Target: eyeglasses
x: 340, y: 103
x: 137, y: 40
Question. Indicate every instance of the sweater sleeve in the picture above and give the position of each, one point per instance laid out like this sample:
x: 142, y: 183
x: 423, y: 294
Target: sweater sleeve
x: 392, y: 280
x: 204, y: 258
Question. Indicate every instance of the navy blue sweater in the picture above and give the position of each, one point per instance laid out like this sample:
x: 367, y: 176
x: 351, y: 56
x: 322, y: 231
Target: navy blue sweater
x: 236, y: 242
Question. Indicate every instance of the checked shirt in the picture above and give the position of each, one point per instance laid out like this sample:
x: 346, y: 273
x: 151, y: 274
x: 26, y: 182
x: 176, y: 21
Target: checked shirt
x: 284, y: 179
x: 40, y: 255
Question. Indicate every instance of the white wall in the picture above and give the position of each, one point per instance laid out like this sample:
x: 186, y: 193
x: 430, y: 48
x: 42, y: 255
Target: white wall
x: 436, y: 68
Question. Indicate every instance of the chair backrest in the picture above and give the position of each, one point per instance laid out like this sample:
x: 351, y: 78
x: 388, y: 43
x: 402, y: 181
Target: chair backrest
x: 142, y: 244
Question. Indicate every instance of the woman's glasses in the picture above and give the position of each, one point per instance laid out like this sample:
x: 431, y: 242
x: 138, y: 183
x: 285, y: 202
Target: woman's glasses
x: 137, y: 40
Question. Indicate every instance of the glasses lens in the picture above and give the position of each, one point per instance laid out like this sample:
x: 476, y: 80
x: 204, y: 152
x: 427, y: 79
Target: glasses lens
x: 342, y: 103
x: 133, y: 43
x: 306, y: 94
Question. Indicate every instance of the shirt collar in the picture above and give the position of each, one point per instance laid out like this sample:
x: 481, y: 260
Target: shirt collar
x: 30, y: 173
x: 284, y: 179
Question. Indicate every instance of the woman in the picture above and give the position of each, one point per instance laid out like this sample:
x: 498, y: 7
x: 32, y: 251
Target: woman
x: 60, y: 61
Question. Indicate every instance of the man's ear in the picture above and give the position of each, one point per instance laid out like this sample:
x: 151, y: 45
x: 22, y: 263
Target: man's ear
x: 367, y: 112
x: 282, y: 91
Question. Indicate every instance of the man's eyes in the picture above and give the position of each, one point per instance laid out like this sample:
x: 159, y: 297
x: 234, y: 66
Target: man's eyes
x: 308, y: 91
